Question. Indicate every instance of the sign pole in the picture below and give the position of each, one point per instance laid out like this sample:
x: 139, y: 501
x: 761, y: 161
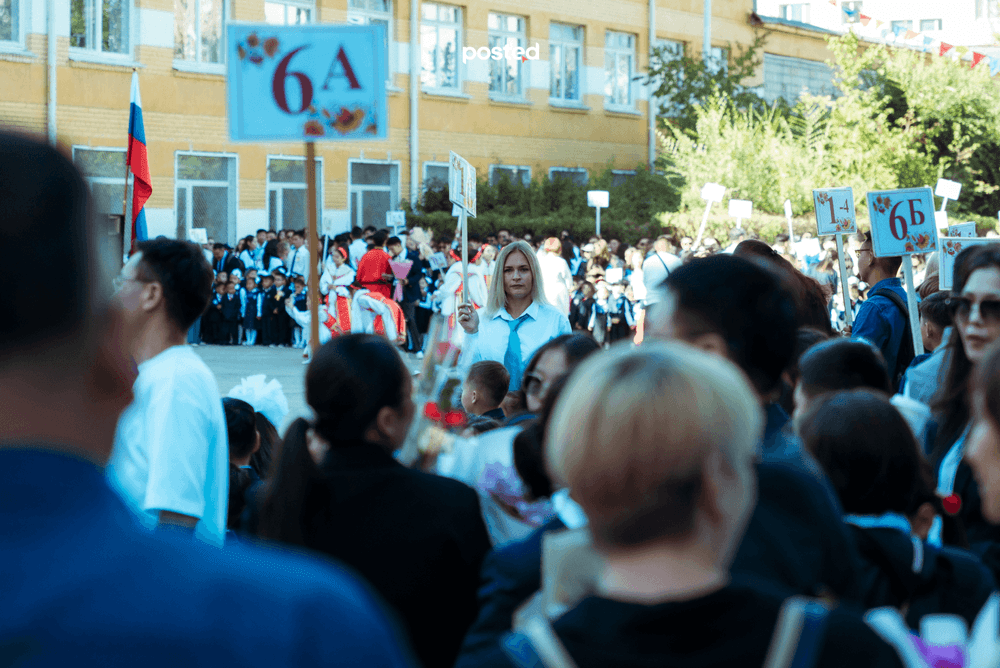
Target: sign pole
x: 911, y: 306
x: 848, y: 310
x: 464, y: 221
x: 598, y: 221
x: 313, y: 245
x: 704, y: 222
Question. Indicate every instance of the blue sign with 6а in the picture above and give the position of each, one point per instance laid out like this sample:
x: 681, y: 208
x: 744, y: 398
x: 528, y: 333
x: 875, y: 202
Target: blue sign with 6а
x: 902, y: 221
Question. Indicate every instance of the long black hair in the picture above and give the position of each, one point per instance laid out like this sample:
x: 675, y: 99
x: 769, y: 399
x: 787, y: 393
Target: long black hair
x: 951, y: 403
x: 350, y: 379
x: 270, y: 250
x: 242, y: 431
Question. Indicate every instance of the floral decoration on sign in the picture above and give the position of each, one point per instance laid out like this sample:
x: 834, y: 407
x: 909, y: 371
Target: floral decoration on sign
x: 882, y: 203
x: 918, y: 242
x: 323, y: 120
x: 823, y: 198
x: 256, y: 50
x: 953, y: 248
x: 843, y: 225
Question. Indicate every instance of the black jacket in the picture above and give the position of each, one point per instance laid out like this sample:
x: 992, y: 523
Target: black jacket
x: 229, y: 262
x: 948, y: 581
x: 419, y: 539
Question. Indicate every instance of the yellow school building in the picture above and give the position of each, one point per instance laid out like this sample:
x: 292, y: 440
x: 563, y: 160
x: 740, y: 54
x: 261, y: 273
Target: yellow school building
x: 580, y: 106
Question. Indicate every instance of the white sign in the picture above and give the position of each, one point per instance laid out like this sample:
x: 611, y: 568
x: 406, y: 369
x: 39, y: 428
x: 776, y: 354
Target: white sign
x: 713, y: 192
x: 740, y: 209
x: 306, y: 82
x: 437, y: 261
x: 948, y: 189
x: 614, y: 275
x: 835, y: 211
x: 901, y: 221
x: 964, y: 230
x: 462, y: 183
x: 395, y: 220
x: 788, y: 208
x: 597, y: 198
x: 950, y: 248
x: 199, y: 235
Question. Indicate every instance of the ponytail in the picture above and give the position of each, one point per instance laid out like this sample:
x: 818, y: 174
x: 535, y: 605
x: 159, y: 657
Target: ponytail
x: 293, y: 474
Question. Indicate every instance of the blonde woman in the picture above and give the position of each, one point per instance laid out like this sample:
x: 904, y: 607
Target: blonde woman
x: 517, y: 319
x: 556, y: 277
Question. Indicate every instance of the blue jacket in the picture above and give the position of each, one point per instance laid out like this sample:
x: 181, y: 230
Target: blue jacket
x: 83, y: 584
x: 881, y: 322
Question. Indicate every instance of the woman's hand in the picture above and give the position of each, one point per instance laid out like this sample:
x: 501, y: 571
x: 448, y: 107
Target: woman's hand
x: 468, y: 318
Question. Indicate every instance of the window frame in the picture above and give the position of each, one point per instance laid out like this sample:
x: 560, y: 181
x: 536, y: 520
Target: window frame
x: 615, y: 53
x: 233, y: 197
x: 562, y: 43
x: 19, y: 31
x: 939, y: 23
x: 98, y: 54
x: 395, y: 193
x: 574, y: 170
x: 119, y: 181
x: 523, y: 75
x: 200, y: 65
x: 290, y: 185
x: 621, y: 172
x: 423, y: 172
x: 907, y: 25
x: 802, y: 7
x: 366, y: 15
x: 854, y: 6
x: 459, y: 27
x: 509, y: 168
x: 292, y: 4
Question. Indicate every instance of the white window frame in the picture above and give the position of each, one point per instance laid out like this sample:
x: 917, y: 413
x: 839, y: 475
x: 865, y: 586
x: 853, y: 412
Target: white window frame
x: 720, y: 58
x: 289, y: 5
x: 575, y: 170
x: 233, y: 198
x: 277, y: 186
x: 513, y: 170
x: 119, y: 181
x: 21, y: 10
x: 521, y: 38
x: 852, y: 5
x: 96, y: 53
x: 622, y: 172
x: 438, y: 24
x: 939, y: 23
x: 907, y: 24
x: 364, y: 16
x: 562, y: 44
x: 395, y: 194
x: 423, y: 173
x: 198, y: 65
x: 615, y: 53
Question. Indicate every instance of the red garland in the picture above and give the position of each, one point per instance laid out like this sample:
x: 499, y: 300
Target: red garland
x: 432, y: 412
x: 952, y: 504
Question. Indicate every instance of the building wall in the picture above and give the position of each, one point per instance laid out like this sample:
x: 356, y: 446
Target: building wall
x: 184, y: 106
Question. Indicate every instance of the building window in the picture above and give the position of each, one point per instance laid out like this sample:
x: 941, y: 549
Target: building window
x: 666, y: 51
x: 718, y: 61
x: 987, y: 9
x: 514, y: 174
x: 98, y: 25
x: 373, y: 189
x: 619, y: 65
x: 507, y: 33
x: 288, y: 12
x: 104, y: 172
x: 440, y: 44
x: 621, y: 177
x: 577, y: 175
x: 198, y: 30
x: 930, y: 24
x: 206, y: 195
x: 565, y: 61
x: 435, y: 175
x: 788, y: 78
x: 369, y: 12
x: 799, y: 12
x: 850, y: 12
x: 286, y: 193
x: 10, y: 21
x: 900, y: 26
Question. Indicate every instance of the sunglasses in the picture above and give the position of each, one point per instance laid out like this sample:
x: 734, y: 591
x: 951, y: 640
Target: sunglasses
x: 961, y: 309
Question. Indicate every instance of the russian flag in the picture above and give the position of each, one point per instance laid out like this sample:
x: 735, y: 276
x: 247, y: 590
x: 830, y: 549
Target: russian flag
x: 138, y: 164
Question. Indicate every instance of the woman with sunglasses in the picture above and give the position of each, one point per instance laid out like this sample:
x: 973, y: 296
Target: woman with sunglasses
x: 975, y: 307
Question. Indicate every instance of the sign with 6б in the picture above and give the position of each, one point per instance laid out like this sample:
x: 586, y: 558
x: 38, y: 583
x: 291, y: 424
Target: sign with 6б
x: 902, y: 221
x: 306, y: 82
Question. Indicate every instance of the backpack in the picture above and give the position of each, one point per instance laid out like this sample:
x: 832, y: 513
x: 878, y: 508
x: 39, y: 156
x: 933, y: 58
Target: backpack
x: 906, y: 352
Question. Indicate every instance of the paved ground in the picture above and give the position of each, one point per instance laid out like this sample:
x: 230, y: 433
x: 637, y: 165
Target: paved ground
x: 231, y: 363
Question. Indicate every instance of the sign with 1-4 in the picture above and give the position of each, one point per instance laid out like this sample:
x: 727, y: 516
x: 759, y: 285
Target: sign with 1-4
x: 902, y: 221
x: 462, y: 183
x: 306, y: 82
x: 835, y: 211
x: 950, y: 248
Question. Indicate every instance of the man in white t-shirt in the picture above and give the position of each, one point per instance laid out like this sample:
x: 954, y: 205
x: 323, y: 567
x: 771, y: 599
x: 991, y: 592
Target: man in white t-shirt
x: 170, y: 460
x: 657, y: 267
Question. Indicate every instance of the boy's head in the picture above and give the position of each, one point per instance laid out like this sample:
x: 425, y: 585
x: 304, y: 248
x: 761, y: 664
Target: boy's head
x: 222, y: 277
x: 485, y: 387
x: 220, y: 287
x: 395, y: 245
x: 252, y: 274
x: 279, y: 279
x: 588, y: 289
x: 299, y: 283
x: 266, y: 281
x: 935, y: 317
x: 839, y: 365
x: 231, y: 288
x: 241, y: 425
x: 251, y: 283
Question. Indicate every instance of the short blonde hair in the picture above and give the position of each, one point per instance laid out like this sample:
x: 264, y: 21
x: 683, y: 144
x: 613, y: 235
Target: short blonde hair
x: 497, y: 298
x: 633, y: 430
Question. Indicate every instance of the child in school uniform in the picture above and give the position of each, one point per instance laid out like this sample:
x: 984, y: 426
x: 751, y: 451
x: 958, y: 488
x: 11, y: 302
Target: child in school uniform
x: 251, y: 312
x: 622, y: 314
x: 485, y: 388
x: 212, y: 321
x: 600, y: 316
x: 580, y: 306
x: 230, y: 315
x: 299, y: 299
x: 265, y: 322
x: 276, y: 305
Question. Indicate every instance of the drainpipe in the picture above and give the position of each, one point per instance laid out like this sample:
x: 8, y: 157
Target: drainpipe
x: 51, y: 16
x: 414, y: 98
x: 706, y: 37
x: 652, y: 101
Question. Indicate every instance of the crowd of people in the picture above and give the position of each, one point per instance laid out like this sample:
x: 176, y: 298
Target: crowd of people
x: 723, y: 477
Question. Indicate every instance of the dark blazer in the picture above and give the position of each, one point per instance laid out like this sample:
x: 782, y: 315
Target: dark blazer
x: 231, y: 308
x: 411, y: 291
x: 229, y: 262
x: 418, y: 538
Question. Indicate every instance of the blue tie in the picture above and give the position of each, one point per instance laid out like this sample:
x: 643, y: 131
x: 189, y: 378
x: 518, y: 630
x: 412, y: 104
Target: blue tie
x: 512, y: 358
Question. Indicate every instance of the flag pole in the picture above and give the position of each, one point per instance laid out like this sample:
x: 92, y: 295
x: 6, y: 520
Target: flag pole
x: 313, y: 245
x: 126, y: 224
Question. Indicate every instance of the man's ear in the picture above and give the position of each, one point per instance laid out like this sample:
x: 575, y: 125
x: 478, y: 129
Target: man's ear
x: 152, y: 295
x: 711, y: 342
x: 475, y: 396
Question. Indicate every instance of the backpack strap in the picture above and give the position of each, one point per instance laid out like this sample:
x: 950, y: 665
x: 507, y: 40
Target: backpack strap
x: 798, y: 634
x: 906, y: 351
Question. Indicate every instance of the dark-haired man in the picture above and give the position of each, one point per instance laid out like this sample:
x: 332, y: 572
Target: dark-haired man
x: 374, y: 272
x: 81, y: 582
x: 926, y: 373
x: 881, y: 319
x: 224, y: 260
x: 297, y: 261
x: 170, y: 456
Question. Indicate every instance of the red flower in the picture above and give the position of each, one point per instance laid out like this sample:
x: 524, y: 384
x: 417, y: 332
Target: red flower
x: 256, y: 59
x: 909, y: 247
x: 454, y: 418
x: 271, y: 46
x: 253, y: 40
x: 431, y: 411
x: 241, y: 51
x: 314, y: 128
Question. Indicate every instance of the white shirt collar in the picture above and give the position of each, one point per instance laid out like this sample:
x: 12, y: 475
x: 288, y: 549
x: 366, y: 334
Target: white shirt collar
x: 531, y: 312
